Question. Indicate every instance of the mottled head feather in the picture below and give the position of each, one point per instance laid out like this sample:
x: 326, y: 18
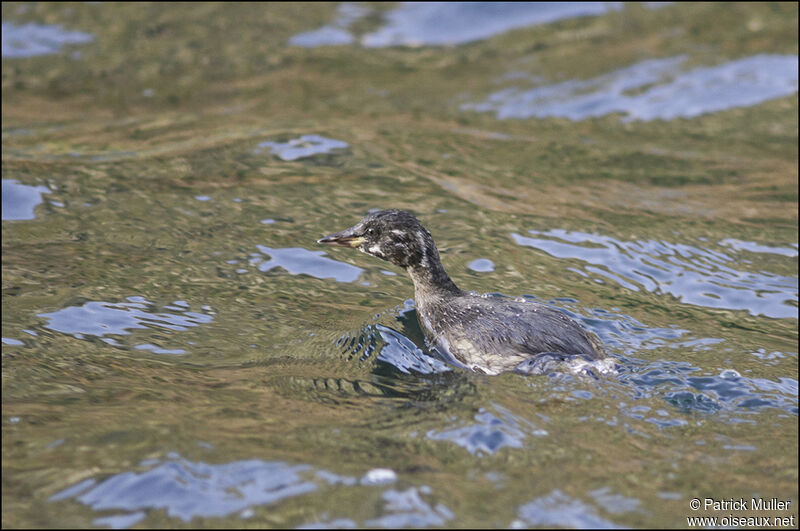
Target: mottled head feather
x: 392, y: 235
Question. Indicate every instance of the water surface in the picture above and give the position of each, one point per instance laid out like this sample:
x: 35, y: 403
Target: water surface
x: 178, y: 350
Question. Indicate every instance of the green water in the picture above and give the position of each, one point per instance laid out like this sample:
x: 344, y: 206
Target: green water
x: 148, y: 141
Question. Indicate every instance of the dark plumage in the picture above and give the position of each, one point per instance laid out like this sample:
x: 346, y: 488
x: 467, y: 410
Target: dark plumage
x: 491, y: 335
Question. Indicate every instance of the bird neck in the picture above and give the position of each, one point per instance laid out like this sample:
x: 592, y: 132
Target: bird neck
x: 430, y: 278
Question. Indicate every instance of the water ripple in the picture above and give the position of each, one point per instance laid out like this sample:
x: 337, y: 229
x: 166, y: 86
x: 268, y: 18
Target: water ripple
x: 451, y: 23
x: 28, y: 40
x: 490, y: 432
x: 481, y: 265
x: 696, y: 276
x: 684, y: 387
x: 187, y: 489
x: 303, y: 147
x: 559, y: 510
x: 335, y: 33
x: 668, y: 93
x: 408, y: 509
x: 20, y: 200
x: 297, y: 260
x: 98, y: 318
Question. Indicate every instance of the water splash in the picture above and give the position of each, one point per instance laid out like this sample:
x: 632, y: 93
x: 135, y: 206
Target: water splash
x: 684, y: 387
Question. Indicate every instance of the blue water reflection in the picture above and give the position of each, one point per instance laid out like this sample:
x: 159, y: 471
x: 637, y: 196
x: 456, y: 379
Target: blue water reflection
x: 98, y: 318
x: 297, y: 260
x: 559, y: 510
x: 753, y: 247
x: 615, y: 503
x: 450, y: 23
x: 188, y: 489
x: 694, y: 275
x: 335, y: 33
x: 446, y: 23
x: 20, y: 200
x: 408, y: 509
x: 668, y: 91
x: 120, y: 521
x: 481, y: 265
x: 490, y: 432
x: 303, y: 147
x: 12, y: 342
x: 28, y: 40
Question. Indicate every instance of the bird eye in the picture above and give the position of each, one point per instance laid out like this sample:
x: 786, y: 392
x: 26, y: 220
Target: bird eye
x: 371, y: 231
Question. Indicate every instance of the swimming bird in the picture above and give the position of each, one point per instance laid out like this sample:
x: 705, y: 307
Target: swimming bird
x: 484, y: 334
